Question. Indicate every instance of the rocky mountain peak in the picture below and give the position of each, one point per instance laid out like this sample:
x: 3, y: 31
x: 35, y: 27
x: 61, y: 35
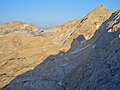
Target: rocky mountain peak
x: 99, y: 10
x: 78, y: 55
x: 17, y: 26
x: 101, y: 7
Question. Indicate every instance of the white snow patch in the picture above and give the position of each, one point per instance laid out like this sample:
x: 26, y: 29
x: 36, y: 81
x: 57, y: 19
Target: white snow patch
x: 82, y: 42
x: 60, y: 83
x: 69, y: 35
x: 94, y: 46
x: 66, y: 58
x: 63, y: 65
x: 78, y: 49
x: 61, y: 54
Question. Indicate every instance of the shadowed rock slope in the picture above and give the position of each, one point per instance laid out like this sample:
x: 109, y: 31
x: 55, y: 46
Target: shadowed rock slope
x: 94, y: 65
x: 91, y: 40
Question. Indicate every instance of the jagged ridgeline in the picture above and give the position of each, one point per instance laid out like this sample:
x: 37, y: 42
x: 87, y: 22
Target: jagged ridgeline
x: 83, y: 54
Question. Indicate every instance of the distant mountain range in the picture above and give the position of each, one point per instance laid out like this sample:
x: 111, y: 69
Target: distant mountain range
x: 83, y: 54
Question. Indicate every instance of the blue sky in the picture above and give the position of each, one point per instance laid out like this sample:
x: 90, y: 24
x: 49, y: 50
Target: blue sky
x: 49, y: 13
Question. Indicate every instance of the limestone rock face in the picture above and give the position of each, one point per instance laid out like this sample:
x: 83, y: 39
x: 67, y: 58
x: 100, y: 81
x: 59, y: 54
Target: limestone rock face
x: 78, y: 55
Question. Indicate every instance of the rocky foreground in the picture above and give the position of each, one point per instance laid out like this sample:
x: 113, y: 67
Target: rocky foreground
x: 78, y: 55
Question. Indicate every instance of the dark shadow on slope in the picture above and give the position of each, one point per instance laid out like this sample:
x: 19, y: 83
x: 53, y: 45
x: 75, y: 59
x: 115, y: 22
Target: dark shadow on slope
x: 102, y: 38
x: 28, y: 76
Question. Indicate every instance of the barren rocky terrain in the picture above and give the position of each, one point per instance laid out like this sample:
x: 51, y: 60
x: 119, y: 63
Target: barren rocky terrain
x: 83, y: 54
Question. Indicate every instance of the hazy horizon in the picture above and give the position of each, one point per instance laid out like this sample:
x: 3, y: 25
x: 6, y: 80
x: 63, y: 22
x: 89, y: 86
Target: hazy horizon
x: 49, y: 13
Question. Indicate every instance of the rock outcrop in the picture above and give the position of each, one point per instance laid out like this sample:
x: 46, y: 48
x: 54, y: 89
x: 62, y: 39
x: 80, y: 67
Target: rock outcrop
x: 11, y: 27
x: 78, y: 55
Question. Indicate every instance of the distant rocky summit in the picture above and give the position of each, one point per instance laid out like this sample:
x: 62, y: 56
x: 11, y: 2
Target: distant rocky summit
x: 11, y: 27
x: 83, y: 54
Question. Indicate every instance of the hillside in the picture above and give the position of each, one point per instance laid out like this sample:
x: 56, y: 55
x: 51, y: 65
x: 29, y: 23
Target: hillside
x: 71, y: 56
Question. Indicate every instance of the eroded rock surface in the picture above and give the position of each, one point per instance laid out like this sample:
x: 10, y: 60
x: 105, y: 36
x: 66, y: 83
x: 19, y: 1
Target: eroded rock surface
x: 92, y: 63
